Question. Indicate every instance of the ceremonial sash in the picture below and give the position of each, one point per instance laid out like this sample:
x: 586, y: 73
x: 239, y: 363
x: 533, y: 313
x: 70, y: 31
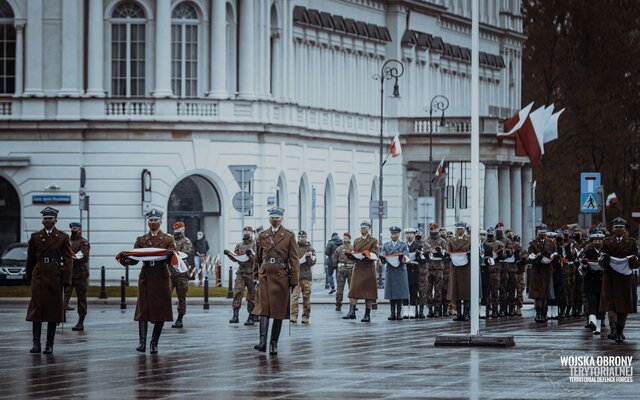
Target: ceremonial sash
x: 459, y: 259
x: 620, y: 265
x: 594, y: 265
x: 157, y: 254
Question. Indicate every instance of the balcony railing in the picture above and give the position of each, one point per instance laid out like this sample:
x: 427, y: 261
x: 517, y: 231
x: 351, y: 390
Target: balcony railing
x: 130, y: 107
x: 451, y: 125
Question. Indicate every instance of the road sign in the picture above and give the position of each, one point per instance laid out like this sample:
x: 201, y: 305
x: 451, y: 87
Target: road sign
x: 589, y: 183
x: 635, y: 214
x: 374, y: 209
x: 50, y: 199
x: 243, y: 174
x: 243, y: 201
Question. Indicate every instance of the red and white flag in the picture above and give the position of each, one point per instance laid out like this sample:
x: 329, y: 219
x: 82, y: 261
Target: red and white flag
x: 514, y: 123
x: 612, y: 199
x: 440, y: 169
x: 395, y: 150
x: 551, y: 127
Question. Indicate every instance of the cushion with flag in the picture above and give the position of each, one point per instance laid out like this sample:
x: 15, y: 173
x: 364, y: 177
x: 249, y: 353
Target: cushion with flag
x: 236, y: 257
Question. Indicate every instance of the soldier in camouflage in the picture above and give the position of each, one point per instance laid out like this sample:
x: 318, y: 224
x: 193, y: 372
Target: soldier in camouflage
x: 307, y: 257
x: 497, y: 248
x: 80, y: 276
x: 437, y: 247
x: 507, y: 274
x: 244, y: 276
x: 447, y: 308
x: 423, y: 288
x: 180, y: 280
x: 521, y: 266
x: 345, y: 267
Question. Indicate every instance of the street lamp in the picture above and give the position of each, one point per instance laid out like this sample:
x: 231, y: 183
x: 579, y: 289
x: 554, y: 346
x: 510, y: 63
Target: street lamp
x: 438, y: 103
x: 391, y: 69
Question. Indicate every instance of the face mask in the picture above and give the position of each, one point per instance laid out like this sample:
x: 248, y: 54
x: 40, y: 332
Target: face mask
x: 75, y: 234
x: 433, y: 234
x: 199, y: 235
x: 499, y: 234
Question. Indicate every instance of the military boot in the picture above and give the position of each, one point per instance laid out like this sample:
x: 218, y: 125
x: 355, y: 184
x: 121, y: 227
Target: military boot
x: 518, y: 311
x: 264, y: 327
x: 467, y: 311
x: 142, y: 332
x: 178, y: 323
x: 436, y: 312
x: 560, y: 312
x: 619, y: 334
x: 545, y: 311
x: 421, y: 312
x: 338, y: 307
x: 430, y: 313
x: 459, y: 314
x: 613, y: 334
x: 37, y: 332
x: 494, y: 311
x: 234, y: 319
x: 352, y: 312
x: 511, y: 310
x: 539, y: 315
x: 249, y: 320
x: 398, y: 310
x: 567, y: 312
x: 367, y: 315
x: 502, y: 312
x: 51, y: 335
x: 155, y: 337
x: 275, y: 335
x: 80, y: 325
x: 392, y: 306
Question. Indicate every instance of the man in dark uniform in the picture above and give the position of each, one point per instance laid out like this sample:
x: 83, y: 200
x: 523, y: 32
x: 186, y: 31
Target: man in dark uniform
x: 437, y: 247
x: 80, y: 277
x: 49, y: 269
x: 495, y: 251
x: 244, y: 276
x: 413, y: 271
x: 278, y: 269
x: 540, y: 252
x: 154, y: 283
x: 180, y: 280
x: 507, y: 274
x: 593, y: 280
x: 620, y: 256
x: 363, y: 280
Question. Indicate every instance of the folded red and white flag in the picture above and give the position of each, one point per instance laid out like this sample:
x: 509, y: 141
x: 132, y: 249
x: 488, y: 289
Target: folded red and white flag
x: 395, y: 259
x: 365, y: 255
x: 238, y: 257
x: 156, y: 254
x: 303, y: 259
x: 78, y: 255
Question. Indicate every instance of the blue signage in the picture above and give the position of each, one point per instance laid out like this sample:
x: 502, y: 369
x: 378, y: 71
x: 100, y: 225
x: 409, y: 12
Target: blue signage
x: 589, y: 183
x: 50, y: 199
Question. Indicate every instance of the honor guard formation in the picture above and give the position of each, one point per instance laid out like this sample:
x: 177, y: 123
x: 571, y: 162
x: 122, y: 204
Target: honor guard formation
x: 569, y: 273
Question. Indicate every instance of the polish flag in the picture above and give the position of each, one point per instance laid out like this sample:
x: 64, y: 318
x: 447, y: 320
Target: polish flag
x: 530, y: 137
x: 395, y: 149
x: 612, y: 199
x: 514, y: 123
x: 440, y: 169
x: 551, y: 127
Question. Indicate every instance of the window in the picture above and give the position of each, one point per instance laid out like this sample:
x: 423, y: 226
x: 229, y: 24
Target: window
x: 184, y: 50
x: 128, y: 51
x: 7, y: 49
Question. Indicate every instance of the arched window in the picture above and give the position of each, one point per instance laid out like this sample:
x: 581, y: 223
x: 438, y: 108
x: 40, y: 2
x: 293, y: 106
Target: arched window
x: 128, y: 50
x: 352, y: 207
x: 328, y: 209
x: 303, y: 205
x: 7, y: 49
x: 275, y: 54
x: 184, y: 50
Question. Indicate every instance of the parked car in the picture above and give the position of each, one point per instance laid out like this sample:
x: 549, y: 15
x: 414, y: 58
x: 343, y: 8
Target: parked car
x: 13, y: 265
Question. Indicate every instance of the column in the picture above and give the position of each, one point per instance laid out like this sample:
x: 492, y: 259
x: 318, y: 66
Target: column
x: 218, y: 50
x: 70, y: 50
x: 19, y: 57
x: 247, y: 37
x: 96, y: 49
x: 163, y: 49
x: 516, y: 200
x: 35, y: 52
x: 490, y: 194
x: 504, y: 185
x: 527, y: 214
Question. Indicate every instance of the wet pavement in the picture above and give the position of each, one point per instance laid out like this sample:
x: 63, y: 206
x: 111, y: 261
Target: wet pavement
x: 330, y: 358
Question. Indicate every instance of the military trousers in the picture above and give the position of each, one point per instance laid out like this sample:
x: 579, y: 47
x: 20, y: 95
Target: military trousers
x: 423, y: 283
x: 511, y: 289
x: 80, y: 285
x: 343, y: 276
x: 181, y: 283
x: 445, y: 283
x: 504, y: 282
x: 304, y: 288
x: 569, y: 284
x: 520, y: 285
x: 494, y: 286
x: 435, y: 278
x: 244, y: 281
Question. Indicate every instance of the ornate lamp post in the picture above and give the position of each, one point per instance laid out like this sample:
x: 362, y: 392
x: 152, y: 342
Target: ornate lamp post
x: 391, y: 69
x: 438, y: 103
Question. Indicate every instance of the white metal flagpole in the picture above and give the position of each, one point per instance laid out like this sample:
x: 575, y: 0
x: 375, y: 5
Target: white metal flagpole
x: 475, y: 180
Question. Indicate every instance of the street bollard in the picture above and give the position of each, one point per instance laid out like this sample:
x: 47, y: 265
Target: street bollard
x: 205, y: 306
x: 103, y: 289
x: 123, y: 300
x: 126, y: 275
x: 230, y: 291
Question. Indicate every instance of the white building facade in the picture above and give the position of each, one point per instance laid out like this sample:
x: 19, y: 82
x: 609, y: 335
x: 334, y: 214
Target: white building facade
x: 157, y: 99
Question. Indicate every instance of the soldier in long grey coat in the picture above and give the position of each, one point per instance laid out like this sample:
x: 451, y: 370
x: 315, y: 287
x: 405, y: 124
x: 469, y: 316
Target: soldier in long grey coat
x: 49, y: 268
x: 396, y: 289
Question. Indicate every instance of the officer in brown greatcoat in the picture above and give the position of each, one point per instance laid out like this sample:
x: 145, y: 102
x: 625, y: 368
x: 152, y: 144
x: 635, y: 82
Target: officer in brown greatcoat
x: 49, y: 268
x: 541, y: 250
x: 278, y: 270
x: 154, y: 283
x: 80, y: 277
x: 458, y: 248
x: 620, y: 256
x: 363, y: 281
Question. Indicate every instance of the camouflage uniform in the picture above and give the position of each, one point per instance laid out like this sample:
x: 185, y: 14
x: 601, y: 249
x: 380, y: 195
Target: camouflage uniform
x: 435, y: 267
x: 521, y: 265
x: 180, y: 280
x: 304, y: 283
x: 495, y: 274
x: 423, y: 289
x: 345, y: 269
x: 507, y: 276
x: 80, y: 274
x: 244, y: 277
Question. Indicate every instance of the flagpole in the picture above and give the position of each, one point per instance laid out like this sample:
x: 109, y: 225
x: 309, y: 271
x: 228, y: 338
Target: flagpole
x: 475, y: 167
